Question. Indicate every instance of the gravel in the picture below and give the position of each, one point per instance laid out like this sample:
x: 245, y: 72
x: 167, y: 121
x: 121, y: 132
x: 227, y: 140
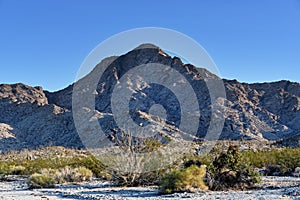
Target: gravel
x: 272, y: 188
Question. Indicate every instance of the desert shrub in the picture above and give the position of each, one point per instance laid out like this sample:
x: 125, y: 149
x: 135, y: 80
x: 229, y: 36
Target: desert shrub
x: 136, y: 179
x: 89, y: 162
x: 4, y: 168
x: 134, y: 169
x: 200, y: 158
x: 16, y: 169
x: 139, y: 161
x: 11, y: 169
x: 94, y: 164
x: 185, y: 179
x: 48, y: 177
x: 41, y: 181
x: 229, y: 171
x: 24, y: 166
x: 69, y: 174
x: 276, y: 161
x: 84, y: 174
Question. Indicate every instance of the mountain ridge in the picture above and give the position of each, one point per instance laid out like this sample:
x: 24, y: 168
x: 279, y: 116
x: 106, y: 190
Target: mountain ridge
x: 31, y: 117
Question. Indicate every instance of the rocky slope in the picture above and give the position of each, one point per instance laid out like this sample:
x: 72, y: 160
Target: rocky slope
x: 31, y: 117
x: 29, y: 121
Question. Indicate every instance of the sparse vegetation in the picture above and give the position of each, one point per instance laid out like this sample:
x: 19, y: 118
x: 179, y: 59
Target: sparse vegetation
x: 280, y: 161
x: 30, y: 162
x: 225, y: 170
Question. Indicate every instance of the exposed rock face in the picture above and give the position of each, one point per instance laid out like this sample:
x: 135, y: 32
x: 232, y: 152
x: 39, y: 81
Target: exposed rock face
x: 28, y: 121
x: 20, y: 93
x: 261, y: 110
x: 31, y: 117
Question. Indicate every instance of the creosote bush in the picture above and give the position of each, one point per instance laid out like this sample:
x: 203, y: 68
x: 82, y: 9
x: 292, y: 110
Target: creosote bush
x: 184, y: 179
x: 228, y: 171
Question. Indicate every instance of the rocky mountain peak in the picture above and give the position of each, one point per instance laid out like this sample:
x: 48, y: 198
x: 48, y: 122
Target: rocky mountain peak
x: 31, y: 117
x: 147, y: 46
x: 20, y: 93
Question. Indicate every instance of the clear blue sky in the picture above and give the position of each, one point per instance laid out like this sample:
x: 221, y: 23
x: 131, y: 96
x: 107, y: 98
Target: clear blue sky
x: 44, y: 42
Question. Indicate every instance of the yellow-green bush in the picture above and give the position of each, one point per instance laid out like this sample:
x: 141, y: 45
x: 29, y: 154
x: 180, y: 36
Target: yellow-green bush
x: 41, y: 181
x: 68, y: 174
x: 16, y: 169
x: 185, y: 179
x: 84, y: 174
x: 48, y: 177
x: 4, y: 168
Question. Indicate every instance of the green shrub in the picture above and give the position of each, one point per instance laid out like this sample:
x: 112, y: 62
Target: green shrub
x: 229, y: 171
x: 185, y: 179
x: 14, y: 164
x: 11, y: 169
x: 92, y: 163
x: 276, y: 161
x: 41, y: 181
x: 4, y: 168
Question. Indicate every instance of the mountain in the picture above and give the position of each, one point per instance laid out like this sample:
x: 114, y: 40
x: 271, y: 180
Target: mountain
x: 31, y: 117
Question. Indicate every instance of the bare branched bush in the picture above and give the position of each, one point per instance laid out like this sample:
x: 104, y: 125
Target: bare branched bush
x: 140, y: 161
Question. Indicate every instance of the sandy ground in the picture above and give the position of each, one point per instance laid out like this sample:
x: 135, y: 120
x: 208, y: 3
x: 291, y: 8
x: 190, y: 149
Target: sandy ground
x: 273, y: 188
